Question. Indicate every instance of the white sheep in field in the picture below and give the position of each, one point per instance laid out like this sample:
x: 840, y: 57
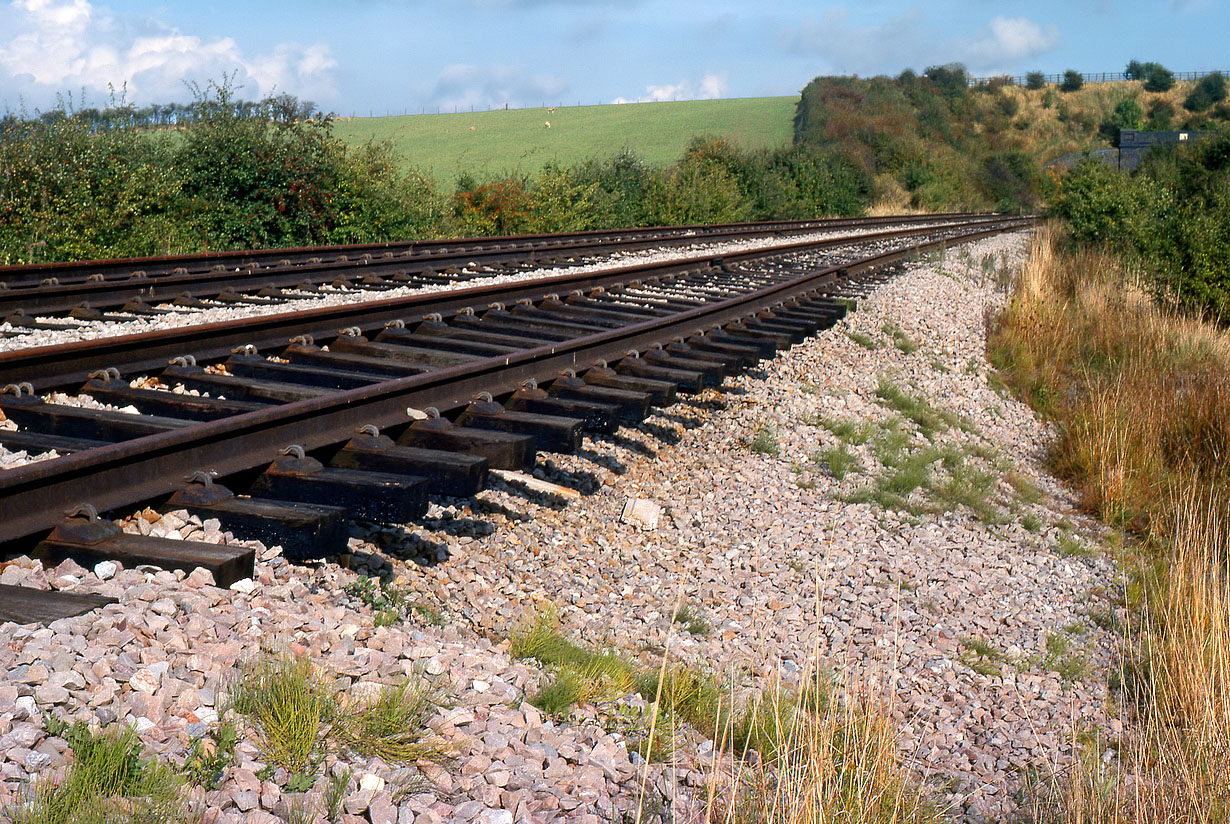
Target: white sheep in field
x: 547, y: 124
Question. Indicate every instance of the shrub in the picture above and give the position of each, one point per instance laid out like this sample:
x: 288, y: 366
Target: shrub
x: 1161, y: 113
x: 1072, y: 81
x: 1035, y: 81
x: 1127, y: 115
x: 1210, y: 90
x: 1098, y: 203
x: 1157, y: 77
x: 951, y: 79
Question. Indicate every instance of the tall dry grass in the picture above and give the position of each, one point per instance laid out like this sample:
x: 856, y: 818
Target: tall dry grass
x: 1140, y: 396
x: 827, y: 754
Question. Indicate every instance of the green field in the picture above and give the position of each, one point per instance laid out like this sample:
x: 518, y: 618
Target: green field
x: 518, y: 140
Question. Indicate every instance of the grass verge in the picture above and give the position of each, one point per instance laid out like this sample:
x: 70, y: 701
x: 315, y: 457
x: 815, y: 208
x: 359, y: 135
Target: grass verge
x: 1140, y: 397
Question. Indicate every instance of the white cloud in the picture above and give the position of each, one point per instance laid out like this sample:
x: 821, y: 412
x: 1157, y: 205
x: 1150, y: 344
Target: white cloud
x: 712, y: 86
x: 1007, y: 40
x: 909, y: 41
x: 54, y: 46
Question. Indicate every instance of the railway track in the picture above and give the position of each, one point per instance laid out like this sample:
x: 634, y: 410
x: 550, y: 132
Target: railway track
x: 62, y: 295
x: 364, y: 411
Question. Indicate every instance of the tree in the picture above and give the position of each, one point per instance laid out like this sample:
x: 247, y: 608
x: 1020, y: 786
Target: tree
x: 1127, y: 115
x: 1157, y: 77
x: 1072, y: 81
x: 1161, y: 113
x: 951, y: 79
x: 1134, y: 70
x: 1210, y: 90
x: 1035, y: 80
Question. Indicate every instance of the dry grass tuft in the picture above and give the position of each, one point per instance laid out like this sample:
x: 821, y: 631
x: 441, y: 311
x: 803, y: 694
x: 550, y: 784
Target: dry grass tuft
x: 825, y: 755
x: 1141, y: 398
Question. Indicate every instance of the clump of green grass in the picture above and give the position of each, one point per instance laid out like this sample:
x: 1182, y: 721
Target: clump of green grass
x: 981, y: 656
x: 296, y: 717
x: 672, y: 693
x: 900, y: 339
x: 764, y: 439
x: 1070, y: 665
x: 927, y: 418
x: 1026, y: 490
x: 862, y: 340
x: 393, y: 725
x: 1032, y: 523
x: 839, y: 460
x: 290, y: 706
x: 692, y: 620
x: 108, y: 782
x: 889, y: 445
x: 580, y: 675
x: 970, y: 487
x: 848, y: 431
x: 1071, y: 547
x: 910, y: 474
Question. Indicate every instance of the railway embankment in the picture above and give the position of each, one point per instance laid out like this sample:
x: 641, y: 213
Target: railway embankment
x: 869, y: 504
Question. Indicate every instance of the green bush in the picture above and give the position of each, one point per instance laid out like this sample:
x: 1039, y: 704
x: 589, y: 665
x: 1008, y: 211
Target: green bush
x: 1072, y: 81
x: 1172, y: 215
x: 1035, y: 81
x: 1127, y: 115
x: 223, y: 173
x: 1205, y: 94
x: 1157, y: 78
x: 1098, y: 203
x: 1161, y: 114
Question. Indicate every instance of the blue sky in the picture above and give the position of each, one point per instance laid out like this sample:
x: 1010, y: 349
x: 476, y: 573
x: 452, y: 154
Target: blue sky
x: 378, y: 56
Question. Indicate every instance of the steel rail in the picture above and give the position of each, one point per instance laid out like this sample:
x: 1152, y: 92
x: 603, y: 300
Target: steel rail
x: 62, y: 365
x: 33, y: 497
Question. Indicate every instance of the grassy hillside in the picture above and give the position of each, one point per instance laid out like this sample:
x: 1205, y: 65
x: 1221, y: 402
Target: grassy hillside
x: 930, y: 141
x: 488, y: 144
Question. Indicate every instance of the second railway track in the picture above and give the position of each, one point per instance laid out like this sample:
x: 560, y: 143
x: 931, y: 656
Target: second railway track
x: 364, y: 411
x: 63, y: 296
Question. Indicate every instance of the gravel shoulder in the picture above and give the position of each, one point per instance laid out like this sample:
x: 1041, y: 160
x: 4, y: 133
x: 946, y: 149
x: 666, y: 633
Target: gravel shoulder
x: 972, y: 601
